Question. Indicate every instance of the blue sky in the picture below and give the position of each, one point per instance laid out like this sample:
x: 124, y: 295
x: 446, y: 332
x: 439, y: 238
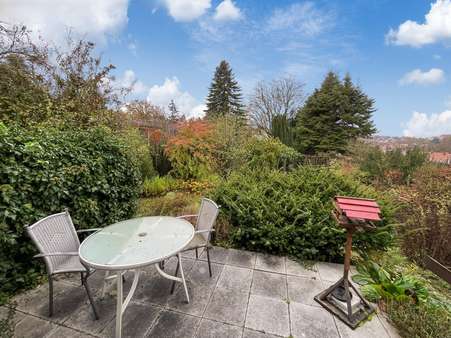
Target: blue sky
x: 398, y: 51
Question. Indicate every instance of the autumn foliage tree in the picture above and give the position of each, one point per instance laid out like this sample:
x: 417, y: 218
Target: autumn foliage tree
x: 190, y: 150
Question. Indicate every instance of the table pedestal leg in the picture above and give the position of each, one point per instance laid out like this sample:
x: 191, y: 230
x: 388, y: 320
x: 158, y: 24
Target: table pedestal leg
x: 119, y: 306
x: 175, y: 278
x: 122, y: 305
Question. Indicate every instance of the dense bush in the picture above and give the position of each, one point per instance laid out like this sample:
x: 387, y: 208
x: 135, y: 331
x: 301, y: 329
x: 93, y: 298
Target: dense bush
x: 264, y: 152
x: 426, y: 215
x: 45, y: 170
x: 290, y: 213
x: 141, y: 150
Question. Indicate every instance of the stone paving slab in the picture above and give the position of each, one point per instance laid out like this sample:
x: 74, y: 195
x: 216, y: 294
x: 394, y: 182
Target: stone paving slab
x: 241, y: 258
x: 270, y: 263
x: 372, y: 328
x: 62, y: 331
x: 174, y: 325
x: 298, y: 269
x: 303, y: 290
x: 33, y: 327
x: 228, y: 306
x: 270, y: 285
x: 250, y: 295
x: 217, y: 255
x: 211, y: 329
x: 332, y: 272
x: 136, y: 321
x: 269, y: 315
x: 247, y: 333
x: 235, y: 278
x: 310, y: 321
x: 83, y: 319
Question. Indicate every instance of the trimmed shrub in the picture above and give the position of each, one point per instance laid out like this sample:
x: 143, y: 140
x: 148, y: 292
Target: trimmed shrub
x: 290, y: 213
x: 43, y: 171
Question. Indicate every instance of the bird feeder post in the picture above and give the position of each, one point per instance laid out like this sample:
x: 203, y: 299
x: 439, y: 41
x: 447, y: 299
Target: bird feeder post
x: 353, y: 214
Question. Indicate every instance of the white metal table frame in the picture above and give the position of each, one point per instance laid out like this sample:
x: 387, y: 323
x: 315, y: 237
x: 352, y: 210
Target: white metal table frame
x: 122, y: 304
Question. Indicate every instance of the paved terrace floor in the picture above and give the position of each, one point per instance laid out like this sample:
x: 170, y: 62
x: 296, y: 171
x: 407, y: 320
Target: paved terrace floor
x: 250, y: 296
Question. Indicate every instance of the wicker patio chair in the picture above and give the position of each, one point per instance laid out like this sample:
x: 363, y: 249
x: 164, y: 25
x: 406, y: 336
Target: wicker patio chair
x: 205, y: 220
x: 57, y: 241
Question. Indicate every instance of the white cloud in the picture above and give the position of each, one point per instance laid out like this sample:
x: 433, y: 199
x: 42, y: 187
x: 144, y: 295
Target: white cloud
x: 53, y: 20
x: 227, y: 11
x: 305, y: 18
x: 129, y: 78
x: 169, y: 90
x: 187, y: 10
x: 416, y: 76
x: 422, y: 125
x: 437, y: 27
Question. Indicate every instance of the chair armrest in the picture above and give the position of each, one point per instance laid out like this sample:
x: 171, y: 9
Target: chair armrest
x: 88, y: 230
x: 203, y: 231
x: 186, y: 216
x: 56, y: 254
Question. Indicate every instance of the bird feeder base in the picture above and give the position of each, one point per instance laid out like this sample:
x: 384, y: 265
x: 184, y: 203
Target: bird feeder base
x: 351, y: 313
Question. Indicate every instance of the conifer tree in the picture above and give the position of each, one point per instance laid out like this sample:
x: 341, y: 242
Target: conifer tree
x: 224, y: 97
x: 174, y: 114
x: 333, y: 115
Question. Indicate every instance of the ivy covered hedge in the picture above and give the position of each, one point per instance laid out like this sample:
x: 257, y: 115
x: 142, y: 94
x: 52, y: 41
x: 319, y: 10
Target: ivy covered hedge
x: 290, y: 213
x: 91, y: 172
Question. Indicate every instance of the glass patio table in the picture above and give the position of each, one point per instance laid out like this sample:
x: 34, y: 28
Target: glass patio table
x: 133, y: 244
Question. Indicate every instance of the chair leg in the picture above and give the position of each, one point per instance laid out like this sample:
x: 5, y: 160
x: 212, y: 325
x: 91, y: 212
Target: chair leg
x: 197, y: 254
x: 50, y: 296
x: 176, y: 272
x: 208, y: 259
x: 88, y: 292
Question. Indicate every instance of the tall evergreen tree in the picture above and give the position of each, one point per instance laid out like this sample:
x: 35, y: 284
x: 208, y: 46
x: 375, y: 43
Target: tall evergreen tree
x: 224, y: 97
x: 174, y: 114
x: 333, y: 115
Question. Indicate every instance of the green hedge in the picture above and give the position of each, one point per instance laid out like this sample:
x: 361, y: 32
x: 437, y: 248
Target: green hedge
x: 290, y: 213
x: 92, y: 172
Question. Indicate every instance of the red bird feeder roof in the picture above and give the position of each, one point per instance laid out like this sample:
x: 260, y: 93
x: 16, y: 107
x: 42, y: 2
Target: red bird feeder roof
x: 358, y: 208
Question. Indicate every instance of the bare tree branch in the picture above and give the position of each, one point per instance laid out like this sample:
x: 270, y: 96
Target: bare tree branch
x: 283, y: 96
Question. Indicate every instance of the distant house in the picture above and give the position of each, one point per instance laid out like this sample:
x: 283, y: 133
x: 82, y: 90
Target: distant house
x: 437, y: 157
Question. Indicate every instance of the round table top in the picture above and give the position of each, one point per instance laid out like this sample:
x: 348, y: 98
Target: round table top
x: 135, y: 242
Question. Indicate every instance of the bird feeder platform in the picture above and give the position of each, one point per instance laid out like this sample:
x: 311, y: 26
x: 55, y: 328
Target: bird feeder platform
x: 343, y: 299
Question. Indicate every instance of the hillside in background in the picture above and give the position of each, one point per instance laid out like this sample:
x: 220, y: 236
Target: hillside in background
x: 433, y: 144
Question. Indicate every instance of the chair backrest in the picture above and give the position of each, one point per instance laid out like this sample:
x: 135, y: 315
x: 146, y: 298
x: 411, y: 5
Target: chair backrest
x: 207, y: 216
x: 54, y: 233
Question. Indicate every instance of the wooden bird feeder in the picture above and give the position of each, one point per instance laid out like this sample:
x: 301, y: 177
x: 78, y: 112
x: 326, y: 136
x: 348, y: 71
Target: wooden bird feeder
x: 343, y: 299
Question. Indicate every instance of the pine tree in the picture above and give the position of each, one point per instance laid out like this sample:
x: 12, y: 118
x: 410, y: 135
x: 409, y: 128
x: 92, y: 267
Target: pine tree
x: 174, y: 114
x: 224, y: 96
x: 333, y: 115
